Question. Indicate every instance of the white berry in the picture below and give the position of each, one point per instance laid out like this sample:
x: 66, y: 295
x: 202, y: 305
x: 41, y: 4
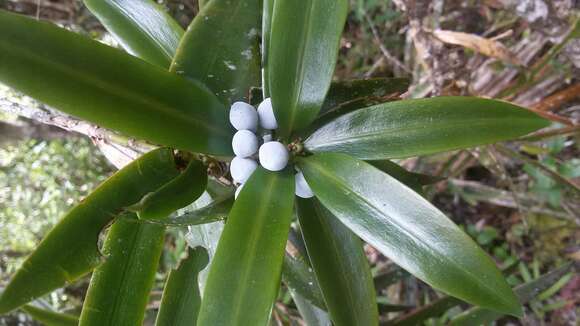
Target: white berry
x: 242, y: 168
x: 238, y: 191
x: 266, y: 114
x: 245, y: 143
x: 243, y: 116
x: 303, y: 190
x: 274, y: 156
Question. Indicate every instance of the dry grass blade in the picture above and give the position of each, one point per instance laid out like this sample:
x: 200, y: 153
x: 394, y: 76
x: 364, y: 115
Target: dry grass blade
x: 555, y: 101
x: 552, y: 133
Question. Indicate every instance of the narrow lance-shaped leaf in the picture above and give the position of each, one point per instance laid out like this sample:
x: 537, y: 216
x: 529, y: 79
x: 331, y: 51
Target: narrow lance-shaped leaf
x: 351, y: 95
x: 312, y: 315
x: 346, y: 96
x: 407, y: 229
x: 245, y: 273
x: 436, y: 308
x: 70, y: 249
x: 340, y: 265
x: 213, y: 212
x: 268, y: 8
x: 202, y: 3
x: 432, y: 310
x: 301, y: 58
x: 300, y: 278
x: 301, y: 282
x: 386, y: 307
x: 142, y: 27
x: 82, y: 77
x: 181, y: 296
x: 525, y: 292
x: 423, y: 126
x: 392, y: 276
x: 296, y: 241
x: 343, y: 96
x: 119, y: 290
x: 212, y: 205
x: 220, y: 48
x: 413, y: 180
x: 176, y: 194
x: 50, y: 318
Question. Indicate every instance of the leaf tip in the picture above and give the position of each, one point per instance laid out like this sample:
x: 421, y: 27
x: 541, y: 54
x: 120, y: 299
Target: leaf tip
x: 511, y: 305
x: 517, y: 311
x: 539, y: 120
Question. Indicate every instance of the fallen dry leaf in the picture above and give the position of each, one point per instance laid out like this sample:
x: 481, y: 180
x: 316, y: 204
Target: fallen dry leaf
x: 488, y: 47
x: 575, y: 255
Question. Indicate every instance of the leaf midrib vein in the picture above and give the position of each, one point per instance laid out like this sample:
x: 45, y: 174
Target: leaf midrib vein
x: 159, y: 45
x: 142, y: 98
x: 334, y: 244
x: 127, y: 267
x: 255, y: 235
x: 301, y: 67
x: 412, y: 127
x: 444, y: 258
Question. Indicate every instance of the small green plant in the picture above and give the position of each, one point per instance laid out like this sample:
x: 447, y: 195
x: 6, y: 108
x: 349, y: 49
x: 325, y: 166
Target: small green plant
x: 176, y: 91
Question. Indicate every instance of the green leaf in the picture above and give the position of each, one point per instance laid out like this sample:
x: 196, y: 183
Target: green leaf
x: 296, y: 242
x: 176, y: 194
x: 437, y: 307
x: 555, y: 288
x: 302, y: 58
x: 221, y: 49
x: 407, y: 229
x: 245, y: 273
x: 267, y: 10
x: 385, y: 307
x: 302, y: 284
x: 142, y: 27
x: 384, y: 280
x: 423, y: 126
x: 212, y: 206
x: 312, y: 315
x: 434, y: 309
x: 70, y: 249
x: 215, y: 211
x: 181, y: 296
x: 340, y: 265
x: 346, y: 96
x: 415, y: 181
x: 82, y: 77
x: 119, y: 290
x: 525, y: 292
x: 202, y: 3
x: 300, y: 278
x: 50, y: 318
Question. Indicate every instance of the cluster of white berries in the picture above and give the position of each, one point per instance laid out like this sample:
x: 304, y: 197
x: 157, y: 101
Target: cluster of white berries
x: 272, y: 155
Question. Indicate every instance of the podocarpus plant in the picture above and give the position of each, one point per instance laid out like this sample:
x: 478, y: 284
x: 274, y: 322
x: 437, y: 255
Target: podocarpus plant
x: 175, y: 91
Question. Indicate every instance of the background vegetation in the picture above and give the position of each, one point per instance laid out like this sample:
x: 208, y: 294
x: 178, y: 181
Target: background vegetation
x: 520, y: 200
